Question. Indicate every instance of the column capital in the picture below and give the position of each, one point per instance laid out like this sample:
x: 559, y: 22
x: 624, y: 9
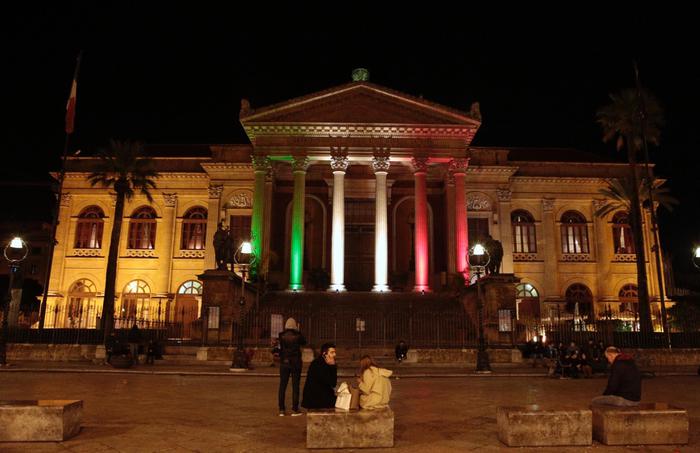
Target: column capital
x: 504, y: 194
x: 66, y: 198
x: 548, y: 204
x: 170, y: 199
x: 300, y: 164
x: 380, y: 163
x: 215, y: 190
x: 420, y: 164
x: 339, y: 159
x: 458, y: 166
x: 261, y: 163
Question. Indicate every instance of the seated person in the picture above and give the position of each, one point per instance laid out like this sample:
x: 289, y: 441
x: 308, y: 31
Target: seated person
x: 401, y: 351
x: 375, y: 388
x: 624, y: 383
x: 321, y: 379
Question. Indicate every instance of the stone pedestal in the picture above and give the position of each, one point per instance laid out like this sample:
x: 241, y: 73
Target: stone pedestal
x: 350, y: 429
x: 646, y: 424
x: 221, y: 289
x: 532, y: 426
x: 40, y: 421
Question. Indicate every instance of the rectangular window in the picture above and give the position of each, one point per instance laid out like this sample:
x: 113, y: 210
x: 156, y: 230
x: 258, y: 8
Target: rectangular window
x: 505, y: 321
x: 524, y: 238
x: 193, y: 233
x: 574, y: 239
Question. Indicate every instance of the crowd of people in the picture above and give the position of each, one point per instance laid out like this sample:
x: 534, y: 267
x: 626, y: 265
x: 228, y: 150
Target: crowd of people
x: 567, y: 361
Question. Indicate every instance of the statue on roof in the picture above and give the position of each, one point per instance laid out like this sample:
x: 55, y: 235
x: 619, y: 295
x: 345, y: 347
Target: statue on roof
x: 360, y: 75
x: 475, y: 111
x: 245, y: 107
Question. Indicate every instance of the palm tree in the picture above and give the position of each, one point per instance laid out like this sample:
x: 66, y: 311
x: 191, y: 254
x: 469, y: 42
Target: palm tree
x: 622, y: 120
x: 619, y: 193
x: 122, y: 167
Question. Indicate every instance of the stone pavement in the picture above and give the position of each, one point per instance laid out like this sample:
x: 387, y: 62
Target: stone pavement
x: 132, y: 412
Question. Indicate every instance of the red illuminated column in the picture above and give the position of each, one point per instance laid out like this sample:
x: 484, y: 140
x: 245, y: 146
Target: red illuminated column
x: 458, y: 168
x: 420, y: 166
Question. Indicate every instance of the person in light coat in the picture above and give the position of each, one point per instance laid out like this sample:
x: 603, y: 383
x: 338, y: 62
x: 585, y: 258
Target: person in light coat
x: 374, y: 385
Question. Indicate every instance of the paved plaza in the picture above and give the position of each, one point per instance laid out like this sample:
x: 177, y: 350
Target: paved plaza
x: 131, y: 412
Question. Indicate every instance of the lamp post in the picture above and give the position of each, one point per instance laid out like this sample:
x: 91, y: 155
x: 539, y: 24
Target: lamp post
x: 242, y: 259
x: 696, y: 257
x: 478, y: 260
x: 15, y: 252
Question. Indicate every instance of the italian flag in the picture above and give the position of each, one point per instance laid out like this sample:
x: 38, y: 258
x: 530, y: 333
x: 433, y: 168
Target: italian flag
x: 70, y: 106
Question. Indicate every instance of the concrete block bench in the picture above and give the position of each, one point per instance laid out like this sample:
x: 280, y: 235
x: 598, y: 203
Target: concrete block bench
x: 646, y: 424
x: 335, y: 428
x: 532, y: 426
x: 42, y: 420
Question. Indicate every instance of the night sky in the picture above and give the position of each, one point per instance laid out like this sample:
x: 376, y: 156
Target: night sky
x: 169, y: 76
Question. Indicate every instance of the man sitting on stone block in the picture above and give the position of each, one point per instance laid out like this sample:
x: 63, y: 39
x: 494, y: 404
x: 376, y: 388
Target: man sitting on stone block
x: 321, y: 379
x: 625, y: 382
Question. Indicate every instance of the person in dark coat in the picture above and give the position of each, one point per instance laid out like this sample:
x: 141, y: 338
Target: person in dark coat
x: 401, y: 351
x: 135, y: 342
x: 625, y: 382
x: 290, y: 343
x: 321, y: 379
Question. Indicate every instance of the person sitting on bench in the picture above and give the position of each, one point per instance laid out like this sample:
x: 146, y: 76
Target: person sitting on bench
x: 625, y: 382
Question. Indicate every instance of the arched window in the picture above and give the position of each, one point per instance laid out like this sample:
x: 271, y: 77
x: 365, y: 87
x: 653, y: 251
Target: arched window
x: 574, y: 233
x: 135, y: 304
x: 88, y: 234
x: 524, y: 239
x: 82, y: 308
x: 190, y: 287
x: 622, y: 234
x: 142, y: 229
x: 527, y: 301
x: 628, y: 298
x: 194, y: 229
x: 579, y: 300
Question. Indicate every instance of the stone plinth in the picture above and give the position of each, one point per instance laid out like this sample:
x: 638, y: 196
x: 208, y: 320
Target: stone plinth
x: 335, y: 428
x: 40, y: 421
x: 646, y: 424
x: 532, y: 426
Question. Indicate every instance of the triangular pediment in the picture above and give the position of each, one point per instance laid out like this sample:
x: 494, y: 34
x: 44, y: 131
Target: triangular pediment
x: 358, y: 103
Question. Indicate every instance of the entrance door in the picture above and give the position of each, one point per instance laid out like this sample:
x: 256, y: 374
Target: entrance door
x: 185, y: 313
x: 359, y: 257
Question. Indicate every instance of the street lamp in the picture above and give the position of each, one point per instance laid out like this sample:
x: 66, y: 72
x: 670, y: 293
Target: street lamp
x: 478, y: 260
x: 696, y: 257
x: 242, y: 259
x: 15, y: 252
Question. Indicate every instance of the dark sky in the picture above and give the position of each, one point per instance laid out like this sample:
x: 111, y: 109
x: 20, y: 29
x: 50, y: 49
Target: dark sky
x: 166, y: 75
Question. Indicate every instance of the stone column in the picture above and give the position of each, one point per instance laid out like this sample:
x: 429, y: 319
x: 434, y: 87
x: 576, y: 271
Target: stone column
x: 269, y: 176
x: 504, y: 210
x: 380, y: 165
x: 296, y: 261
x: 551, y: 255
x: 260, y: 167
x: 603, y: 254
x: 339, y: 164
x: 458, y: 167
x: 420, y: 166
x: 212, y: 224
x: 169, y: 236
x: 450, y: 222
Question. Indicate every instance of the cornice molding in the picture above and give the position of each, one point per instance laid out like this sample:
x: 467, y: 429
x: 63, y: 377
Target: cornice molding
x: 558, y: 180
x: 361, y: 130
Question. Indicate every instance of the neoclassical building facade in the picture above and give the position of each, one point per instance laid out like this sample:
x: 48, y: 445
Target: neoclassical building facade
x: 355, y: 188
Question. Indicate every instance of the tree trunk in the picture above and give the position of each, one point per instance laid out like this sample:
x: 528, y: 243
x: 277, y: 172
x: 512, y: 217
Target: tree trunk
x: 645, y: 325
x: 111, y: 275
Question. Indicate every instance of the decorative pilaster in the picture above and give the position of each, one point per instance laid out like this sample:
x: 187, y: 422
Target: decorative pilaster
x: 168, y: 238
x: 450, y: 221
x: 261, y: 165
x: 267, y: 214
x: 550, y: 249
x: 604, y: 252
x: 504, y: 210
x: 215, y: 191
x: 64, y: 244
x: 420, y: 166
x: 339, y: 165
x: 380, y: 165
x: 458, y: 168
x: 296, y: 262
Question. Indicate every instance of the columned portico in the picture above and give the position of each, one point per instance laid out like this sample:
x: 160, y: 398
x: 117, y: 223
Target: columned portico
x: 296, y: 261
x: 339, y: 164
x: 380, y: 165
x: 458, y: 168
x: 420, y: 168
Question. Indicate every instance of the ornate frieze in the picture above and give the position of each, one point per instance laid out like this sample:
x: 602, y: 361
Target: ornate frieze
x: 467, y: 133
x: 339, y: 158
x: 170, y: 199
x: 525, y: 257
x: 625, y: 258
x: 241, y: 199
x: 504, y: 195
x: 300, y: 164
x: 420, y: 164
x: 477, y: 201
x: 215, y: 190
x: 577, y: 257
x: 138, y: 253
x: 548, y: 204
x: 192, y: 254
x: 66, y: 198
x: 87, y: 252
x: 458, y: 166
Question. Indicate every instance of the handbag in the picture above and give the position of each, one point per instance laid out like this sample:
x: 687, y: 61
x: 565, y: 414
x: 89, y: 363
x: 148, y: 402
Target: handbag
x: 343, y: 397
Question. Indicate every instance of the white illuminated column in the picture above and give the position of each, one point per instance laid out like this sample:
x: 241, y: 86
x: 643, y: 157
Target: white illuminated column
x: 339, y: 164
x: 380, y: 164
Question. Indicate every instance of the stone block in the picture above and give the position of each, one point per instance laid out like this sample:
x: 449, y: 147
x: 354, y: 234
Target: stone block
x: 40, y: 421
x: 532, y: 426
x: 335, y: 428
x: 646, y: 424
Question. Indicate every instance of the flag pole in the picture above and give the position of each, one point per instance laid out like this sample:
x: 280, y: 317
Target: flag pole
x: 70, y: 117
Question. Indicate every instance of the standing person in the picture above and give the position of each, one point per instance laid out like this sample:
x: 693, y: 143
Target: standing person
x: 624, y: 383
x: 290, y: 343
x: 401, y: 351
x: 375, y: 388
x: 135, y: 342
x: 321, y: 379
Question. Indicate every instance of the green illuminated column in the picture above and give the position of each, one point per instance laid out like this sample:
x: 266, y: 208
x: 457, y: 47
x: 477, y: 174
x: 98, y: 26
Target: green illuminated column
x: 296, y: 261
x: 261, y: 164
